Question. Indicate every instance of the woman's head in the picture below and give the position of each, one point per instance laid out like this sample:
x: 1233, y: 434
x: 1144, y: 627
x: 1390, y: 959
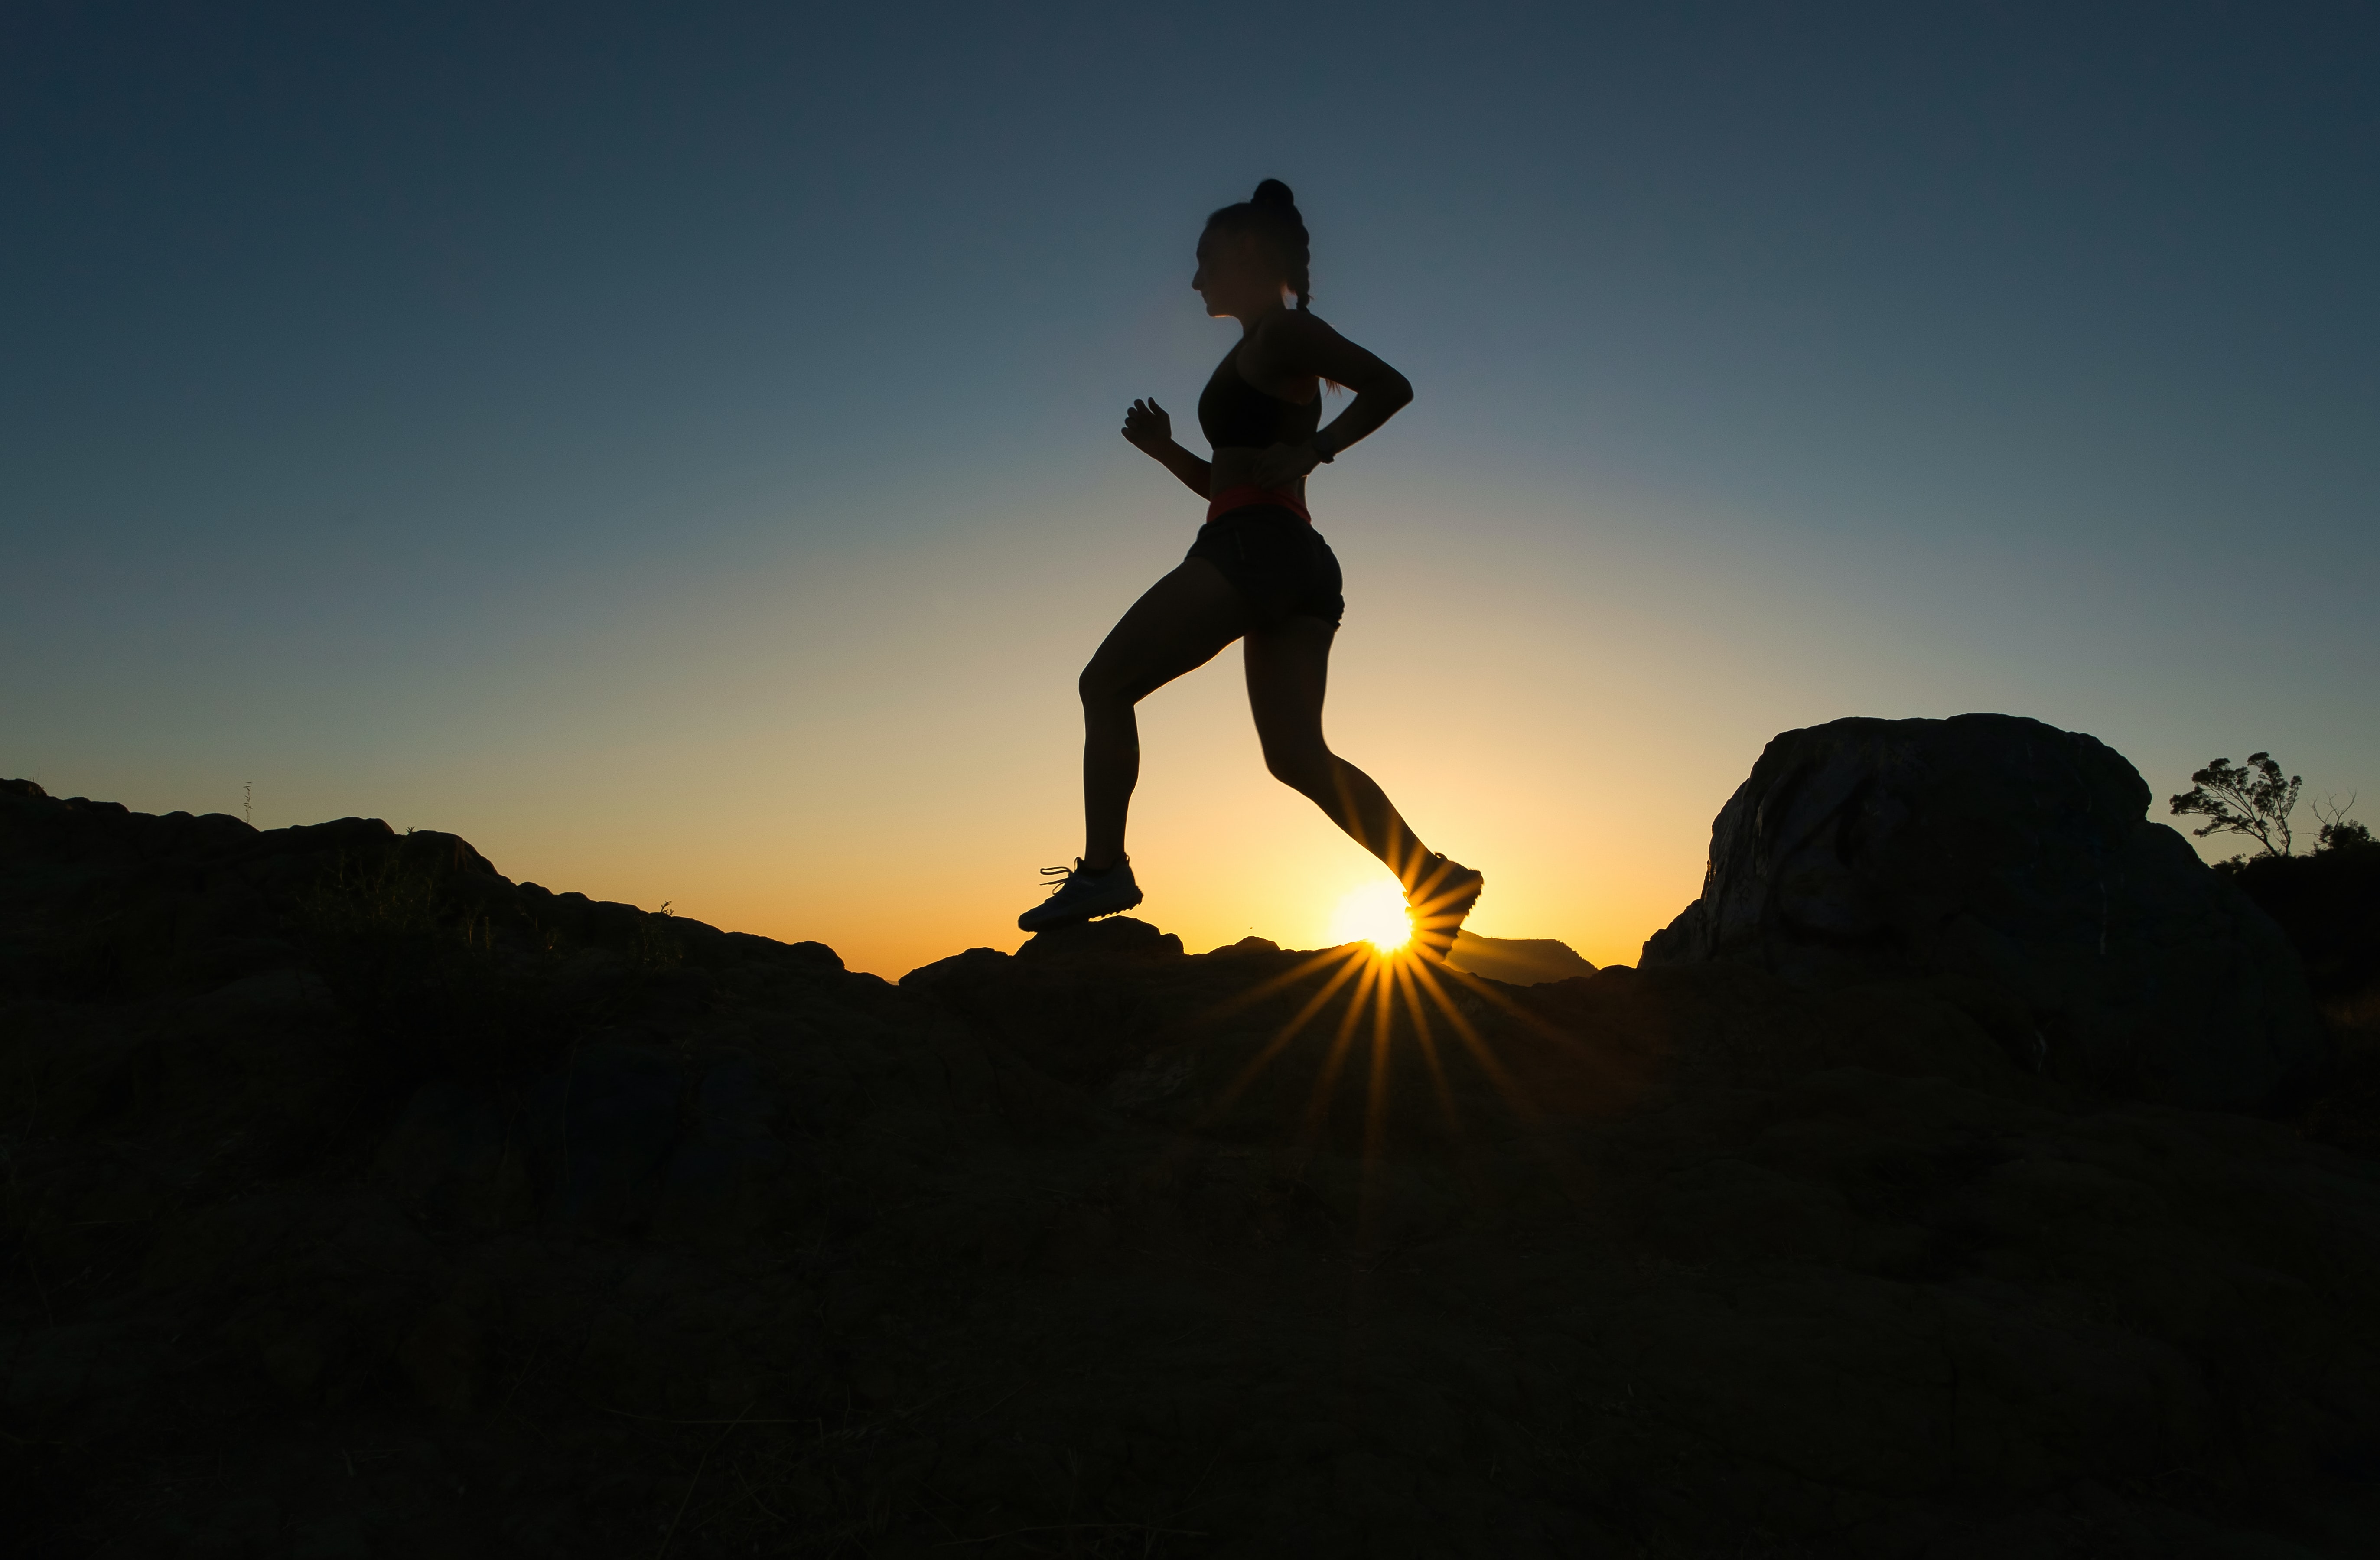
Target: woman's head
x: 1251, y: 250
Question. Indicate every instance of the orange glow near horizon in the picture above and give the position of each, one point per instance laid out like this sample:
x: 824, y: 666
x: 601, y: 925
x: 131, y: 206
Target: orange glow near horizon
x: 894, y: 800
x: 1374, y: 913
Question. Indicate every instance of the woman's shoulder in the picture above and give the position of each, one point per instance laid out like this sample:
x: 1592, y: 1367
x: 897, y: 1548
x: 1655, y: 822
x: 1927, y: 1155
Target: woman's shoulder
x: 1288, y: 325
x: 1278, y: 348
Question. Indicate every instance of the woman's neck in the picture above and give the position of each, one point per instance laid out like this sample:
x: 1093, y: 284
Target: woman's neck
x: 1255, y: 317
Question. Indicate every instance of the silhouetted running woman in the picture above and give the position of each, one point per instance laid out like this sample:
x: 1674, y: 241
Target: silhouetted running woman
x: 1258, y: 572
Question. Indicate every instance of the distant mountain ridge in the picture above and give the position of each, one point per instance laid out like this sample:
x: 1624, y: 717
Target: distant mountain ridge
x: 1517, y: 961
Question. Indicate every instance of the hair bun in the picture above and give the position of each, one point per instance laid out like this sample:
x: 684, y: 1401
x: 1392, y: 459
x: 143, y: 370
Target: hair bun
x: 1272, y: 215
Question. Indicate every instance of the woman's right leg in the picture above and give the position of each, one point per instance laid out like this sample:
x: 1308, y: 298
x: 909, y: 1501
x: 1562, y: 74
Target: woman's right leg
x: 1287, y: 671
x: 1182, y: 622
x: 1289, y: 668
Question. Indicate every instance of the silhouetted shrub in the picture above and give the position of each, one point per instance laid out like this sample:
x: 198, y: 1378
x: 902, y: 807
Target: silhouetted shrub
x: 2346, y: 834
x: 2329, y: 906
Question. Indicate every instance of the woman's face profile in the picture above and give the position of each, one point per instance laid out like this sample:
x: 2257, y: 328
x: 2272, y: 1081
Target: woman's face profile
x: 1237, y: 274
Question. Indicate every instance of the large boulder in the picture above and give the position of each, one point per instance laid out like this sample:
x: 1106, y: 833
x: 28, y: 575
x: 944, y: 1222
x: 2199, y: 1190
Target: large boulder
x: 2016, y: 859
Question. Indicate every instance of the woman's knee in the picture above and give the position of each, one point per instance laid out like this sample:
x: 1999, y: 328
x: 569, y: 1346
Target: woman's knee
x: 1101, y: 687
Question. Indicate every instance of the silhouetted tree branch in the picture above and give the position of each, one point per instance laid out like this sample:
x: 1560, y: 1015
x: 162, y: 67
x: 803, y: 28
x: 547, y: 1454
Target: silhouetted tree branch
x: 2338, y: 831
x: 2250, y: 798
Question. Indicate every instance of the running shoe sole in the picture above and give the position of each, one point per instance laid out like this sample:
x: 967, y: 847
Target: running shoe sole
x: 1042, y: 918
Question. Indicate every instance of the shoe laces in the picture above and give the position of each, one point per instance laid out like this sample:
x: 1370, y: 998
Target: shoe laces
x: 1062, y: 876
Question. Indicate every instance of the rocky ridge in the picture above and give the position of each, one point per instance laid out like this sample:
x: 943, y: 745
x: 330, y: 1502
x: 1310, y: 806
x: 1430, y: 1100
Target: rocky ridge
x: 361, y: 1201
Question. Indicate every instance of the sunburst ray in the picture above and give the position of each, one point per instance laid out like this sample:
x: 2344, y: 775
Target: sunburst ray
x: 1318, y: 1104
x: 1427, y: 977
x: 1427, y: 1042
x: 1351, y: 964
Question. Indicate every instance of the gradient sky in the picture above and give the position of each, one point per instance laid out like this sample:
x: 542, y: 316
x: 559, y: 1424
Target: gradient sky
x: 675, y: 447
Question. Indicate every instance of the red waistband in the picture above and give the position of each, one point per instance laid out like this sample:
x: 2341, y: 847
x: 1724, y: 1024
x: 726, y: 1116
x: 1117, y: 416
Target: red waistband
x: 1249, y: 497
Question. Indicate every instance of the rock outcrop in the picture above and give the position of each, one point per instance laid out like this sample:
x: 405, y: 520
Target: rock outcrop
x: 360, y: 1201
x: 2016, y: 862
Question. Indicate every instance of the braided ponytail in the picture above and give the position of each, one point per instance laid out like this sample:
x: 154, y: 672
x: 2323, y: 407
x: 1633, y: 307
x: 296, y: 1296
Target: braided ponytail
x: 1272, y: 215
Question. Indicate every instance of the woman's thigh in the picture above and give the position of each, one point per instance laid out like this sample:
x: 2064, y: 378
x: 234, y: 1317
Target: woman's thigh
x: 1179, y: 625
x: 1289, y: 670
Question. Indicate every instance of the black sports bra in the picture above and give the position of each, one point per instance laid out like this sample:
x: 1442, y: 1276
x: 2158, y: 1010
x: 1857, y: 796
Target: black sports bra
x: 1234, y: 414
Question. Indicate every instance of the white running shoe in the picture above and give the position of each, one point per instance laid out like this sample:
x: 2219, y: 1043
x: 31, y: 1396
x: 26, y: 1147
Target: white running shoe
x: 1081, y: 895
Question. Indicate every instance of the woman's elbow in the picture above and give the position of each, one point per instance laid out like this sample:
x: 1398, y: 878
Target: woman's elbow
x: 1387, y: 390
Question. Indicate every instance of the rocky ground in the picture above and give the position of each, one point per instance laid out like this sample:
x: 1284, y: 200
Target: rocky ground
x: 362, y: 1203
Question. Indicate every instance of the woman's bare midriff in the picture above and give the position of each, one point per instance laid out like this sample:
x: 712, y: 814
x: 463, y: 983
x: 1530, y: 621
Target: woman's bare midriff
x: 1237, y: 468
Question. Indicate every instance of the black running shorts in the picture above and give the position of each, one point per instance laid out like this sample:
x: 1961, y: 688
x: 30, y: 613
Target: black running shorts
x: 1278, y: 562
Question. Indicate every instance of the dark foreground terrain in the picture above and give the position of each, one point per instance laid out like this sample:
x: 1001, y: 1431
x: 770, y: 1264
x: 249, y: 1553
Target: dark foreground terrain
x: 362, y: 1203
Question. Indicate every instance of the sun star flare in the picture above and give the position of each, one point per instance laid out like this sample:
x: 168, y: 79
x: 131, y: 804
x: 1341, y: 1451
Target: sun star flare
x: 1374, y: 913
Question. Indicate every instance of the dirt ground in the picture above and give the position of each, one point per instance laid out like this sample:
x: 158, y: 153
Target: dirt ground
x: 360, y: 1202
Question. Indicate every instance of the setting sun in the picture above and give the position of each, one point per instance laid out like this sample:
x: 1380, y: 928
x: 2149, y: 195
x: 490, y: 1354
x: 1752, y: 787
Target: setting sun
x: 1375, y: 914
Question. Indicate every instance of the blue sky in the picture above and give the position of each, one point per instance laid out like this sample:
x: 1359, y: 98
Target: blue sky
x: 676, y: 446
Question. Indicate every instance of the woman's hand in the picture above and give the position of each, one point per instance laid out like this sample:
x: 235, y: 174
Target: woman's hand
x: 1281, y: 464
x: 1151, y: 432
x: 1147, y: 427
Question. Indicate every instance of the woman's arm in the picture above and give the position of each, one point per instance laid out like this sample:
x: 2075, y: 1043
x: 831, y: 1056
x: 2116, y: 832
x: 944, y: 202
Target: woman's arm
x: 1297, y: 346
x: 1151, y: 431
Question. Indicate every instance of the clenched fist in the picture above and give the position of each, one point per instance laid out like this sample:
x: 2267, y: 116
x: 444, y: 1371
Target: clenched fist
x: 1147, y: 427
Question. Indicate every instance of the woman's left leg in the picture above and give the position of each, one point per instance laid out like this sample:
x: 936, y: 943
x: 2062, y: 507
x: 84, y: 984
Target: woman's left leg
x: 1289, y: 669
x: 1179, y: 624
